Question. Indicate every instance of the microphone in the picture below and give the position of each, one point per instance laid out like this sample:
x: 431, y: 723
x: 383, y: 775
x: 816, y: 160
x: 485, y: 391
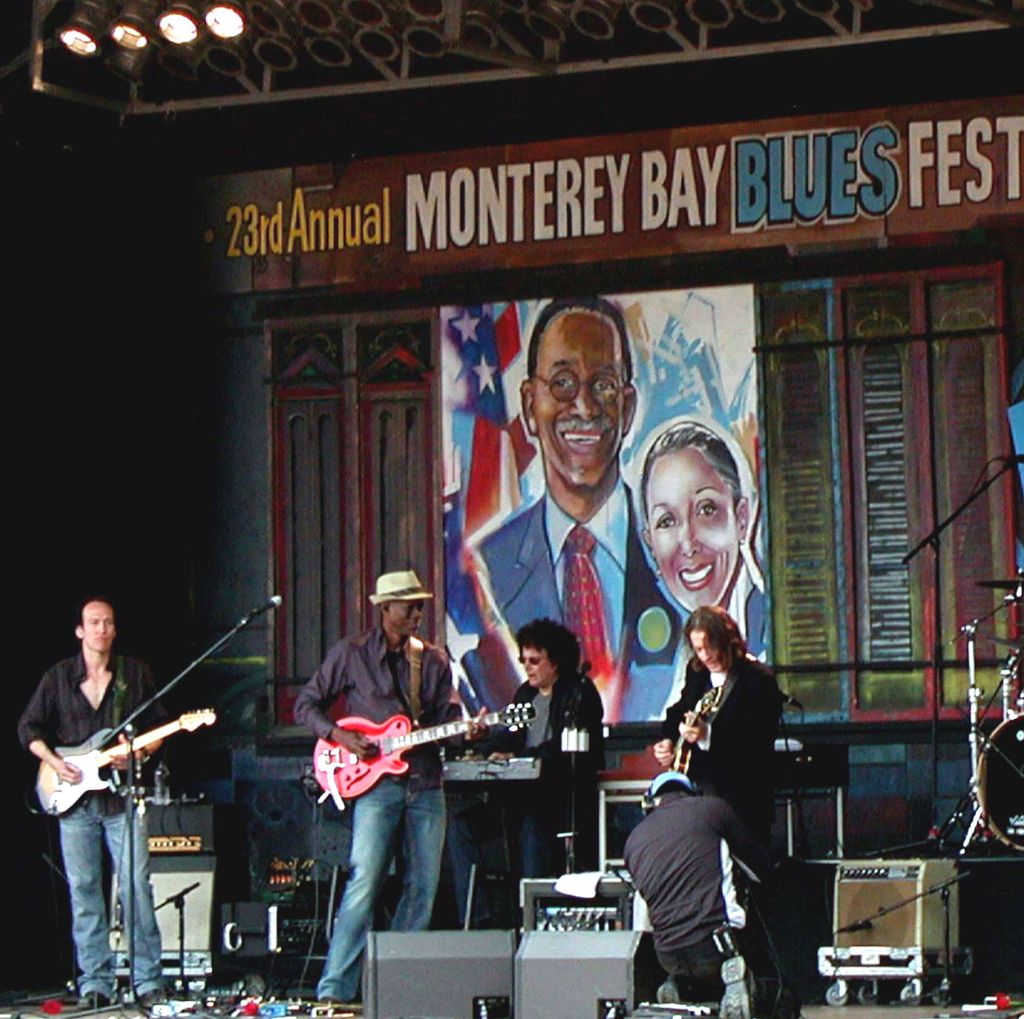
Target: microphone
x: 791, y: 702
x: 273, y: 602
x: 860, y: 925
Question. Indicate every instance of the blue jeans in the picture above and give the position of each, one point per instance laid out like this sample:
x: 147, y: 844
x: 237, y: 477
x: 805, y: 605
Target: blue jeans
x: 82, y: 834
x: 377, y: 818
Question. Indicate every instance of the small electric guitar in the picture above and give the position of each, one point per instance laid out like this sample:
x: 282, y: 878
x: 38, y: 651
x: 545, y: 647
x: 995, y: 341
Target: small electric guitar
x: 343, y: 775
x: 58, y: 796
x: 705, y: 706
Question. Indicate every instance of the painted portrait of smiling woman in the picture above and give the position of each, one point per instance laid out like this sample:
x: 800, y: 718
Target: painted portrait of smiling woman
x: 699, y: 515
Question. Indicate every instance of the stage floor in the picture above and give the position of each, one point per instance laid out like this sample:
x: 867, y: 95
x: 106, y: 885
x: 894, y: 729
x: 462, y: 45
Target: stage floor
x: 32, y: 1006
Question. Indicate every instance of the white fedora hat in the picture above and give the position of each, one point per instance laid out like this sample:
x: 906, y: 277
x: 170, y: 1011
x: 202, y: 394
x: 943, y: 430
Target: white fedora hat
x: 402, y: 585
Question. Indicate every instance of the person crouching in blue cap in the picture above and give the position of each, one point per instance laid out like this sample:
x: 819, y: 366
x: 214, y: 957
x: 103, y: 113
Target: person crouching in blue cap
x: 685, y: 859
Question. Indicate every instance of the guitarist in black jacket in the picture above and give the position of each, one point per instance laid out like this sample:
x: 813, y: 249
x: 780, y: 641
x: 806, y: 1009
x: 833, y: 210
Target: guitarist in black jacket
x: 728, y: 751
x: 77, y: 698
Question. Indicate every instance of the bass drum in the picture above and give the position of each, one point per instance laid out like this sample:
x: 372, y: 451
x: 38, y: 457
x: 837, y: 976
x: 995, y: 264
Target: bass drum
x: 1001, y: 782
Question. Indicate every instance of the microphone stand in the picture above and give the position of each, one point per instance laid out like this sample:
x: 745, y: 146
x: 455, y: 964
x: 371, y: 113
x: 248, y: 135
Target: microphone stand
x: 133, y: 793
x: 178, y: 901
x: 867, y: 922
x: 574, y: 741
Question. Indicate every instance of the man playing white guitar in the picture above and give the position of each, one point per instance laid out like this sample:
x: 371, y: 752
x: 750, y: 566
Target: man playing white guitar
x: 80, y: 696
x: 383, y: 672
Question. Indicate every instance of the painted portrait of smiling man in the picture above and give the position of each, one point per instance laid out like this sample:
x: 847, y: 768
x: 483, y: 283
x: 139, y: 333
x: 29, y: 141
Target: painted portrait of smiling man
x: 549, y: 408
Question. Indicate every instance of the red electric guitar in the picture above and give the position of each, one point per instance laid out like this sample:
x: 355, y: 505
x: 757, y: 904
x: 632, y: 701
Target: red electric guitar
x: 343, y: 776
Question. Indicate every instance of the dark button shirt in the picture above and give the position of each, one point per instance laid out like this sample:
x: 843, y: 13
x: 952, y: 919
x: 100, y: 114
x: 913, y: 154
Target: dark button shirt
x: 357, y: 669
x: 60, y: 715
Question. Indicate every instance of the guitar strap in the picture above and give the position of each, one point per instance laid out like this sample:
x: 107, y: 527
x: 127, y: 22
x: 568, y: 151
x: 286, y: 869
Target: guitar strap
x: 730, y: 682
x: 120, y: 690
x: 415, y: 653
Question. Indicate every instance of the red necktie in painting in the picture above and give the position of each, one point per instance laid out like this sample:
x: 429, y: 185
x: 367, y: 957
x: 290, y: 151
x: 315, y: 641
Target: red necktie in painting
x: 583, y: 602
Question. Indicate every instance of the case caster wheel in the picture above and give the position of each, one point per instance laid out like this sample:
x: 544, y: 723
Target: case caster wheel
x: 837, y: 994
x: 943, y: 995
x: 910, y: 994
x: 867, y: 993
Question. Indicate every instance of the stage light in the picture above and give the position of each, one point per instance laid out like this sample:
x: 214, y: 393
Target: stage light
x: 277, y: 52
x: 319, y: 16
x: 179, y: 23
x: 480, y: 24
x: 271, y: 16
x: 85, y: 29
x: 366, y: 13
x: 425, y: 39
x: 710, y: 13
x: 133, y: 26
x: 765, y: 11
x: 378, y: 43
x: 818, y: 8
x: 425, y: 10
x: 181, y: 61
x: 130, y: 63
x: 547, y: 19
x: 226, y: 56
x: 329, y: 50
x: 655, y: 15
x: 595, y: 18
x: 225, y: 19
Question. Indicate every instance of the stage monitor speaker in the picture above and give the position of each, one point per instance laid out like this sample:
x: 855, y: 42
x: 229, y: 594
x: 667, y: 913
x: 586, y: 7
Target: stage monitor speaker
x: 864, y: 888
x: 171, y: 875
x: 583, y: 974
x: 444, y: 974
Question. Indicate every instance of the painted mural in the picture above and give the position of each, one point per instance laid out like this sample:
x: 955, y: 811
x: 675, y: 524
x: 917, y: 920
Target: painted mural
x: 607, y: 446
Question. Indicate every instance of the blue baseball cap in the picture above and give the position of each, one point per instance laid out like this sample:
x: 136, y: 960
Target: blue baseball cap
x: 663, y: 783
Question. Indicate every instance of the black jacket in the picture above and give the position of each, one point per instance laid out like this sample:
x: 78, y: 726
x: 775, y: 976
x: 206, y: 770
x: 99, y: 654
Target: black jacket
x: 738, y: 766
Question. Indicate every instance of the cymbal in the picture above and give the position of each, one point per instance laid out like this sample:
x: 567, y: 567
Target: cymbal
x: 1018, y: 643
x: 999, y: 585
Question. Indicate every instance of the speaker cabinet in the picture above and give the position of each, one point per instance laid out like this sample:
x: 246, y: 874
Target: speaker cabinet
x: 454, y: 974
x: 170, y: 876
x: 865, y: 888
x: 583, y: 974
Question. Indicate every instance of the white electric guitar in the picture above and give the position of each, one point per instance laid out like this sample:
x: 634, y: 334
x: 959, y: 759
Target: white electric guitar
x: 57, y: 796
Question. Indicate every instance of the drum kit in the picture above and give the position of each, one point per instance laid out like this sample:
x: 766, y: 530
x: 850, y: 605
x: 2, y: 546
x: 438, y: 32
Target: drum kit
x: 997, y: 759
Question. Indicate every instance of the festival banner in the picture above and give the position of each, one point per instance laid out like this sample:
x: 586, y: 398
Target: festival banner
x: 382, y: 224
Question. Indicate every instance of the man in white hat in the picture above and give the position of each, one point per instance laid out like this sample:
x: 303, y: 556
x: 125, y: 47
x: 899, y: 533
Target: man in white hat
x: 682, y: 860
x: 383, y: 672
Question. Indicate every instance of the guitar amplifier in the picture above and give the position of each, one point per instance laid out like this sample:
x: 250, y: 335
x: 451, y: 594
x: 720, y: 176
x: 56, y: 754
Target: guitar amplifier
x: 180, y: 828
x: 864, y: 888
x: 545, y: 909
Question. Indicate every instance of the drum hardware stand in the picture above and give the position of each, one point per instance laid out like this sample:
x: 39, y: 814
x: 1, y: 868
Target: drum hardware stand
x: 1006, y: 463
x: 976, y: 735
x: 973, y: 696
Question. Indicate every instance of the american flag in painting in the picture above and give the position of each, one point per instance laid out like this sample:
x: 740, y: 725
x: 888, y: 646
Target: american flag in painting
x: 487, y: 339
x: 484, y: 365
